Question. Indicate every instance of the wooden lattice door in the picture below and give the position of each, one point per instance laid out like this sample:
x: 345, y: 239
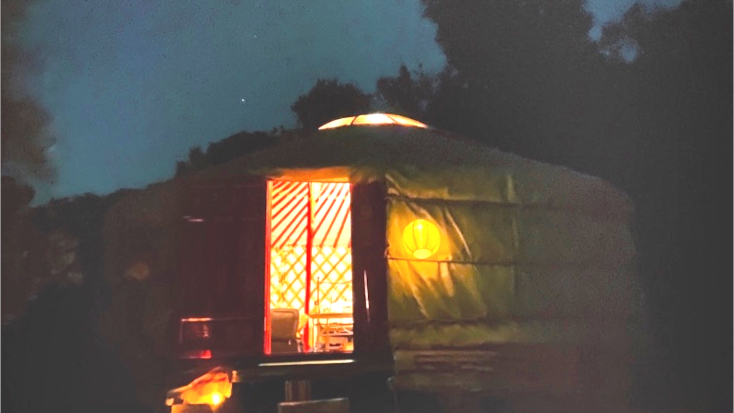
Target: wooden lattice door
x: 310, y: 246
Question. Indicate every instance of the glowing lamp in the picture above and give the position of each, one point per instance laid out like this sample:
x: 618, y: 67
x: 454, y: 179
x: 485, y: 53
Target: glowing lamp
x: 216, y: 399
x: 421, y: 238
x: 213, y: 388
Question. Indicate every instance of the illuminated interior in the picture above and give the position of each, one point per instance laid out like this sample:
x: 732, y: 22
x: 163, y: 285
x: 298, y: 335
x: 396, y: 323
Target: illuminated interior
x: 309, y: 305
x: 373, y: 119
x: 213, y: 388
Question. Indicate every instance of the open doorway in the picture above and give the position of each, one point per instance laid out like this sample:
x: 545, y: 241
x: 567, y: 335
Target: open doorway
x: 308, y: 303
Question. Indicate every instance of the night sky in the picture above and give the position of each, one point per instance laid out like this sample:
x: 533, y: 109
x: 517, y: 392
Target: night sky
x: 131, y: 86
x: 100, y: 95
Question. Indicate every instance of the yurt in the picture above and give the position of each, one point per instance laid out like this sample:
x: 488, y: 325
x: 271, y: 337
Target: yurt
x: 378, y: 244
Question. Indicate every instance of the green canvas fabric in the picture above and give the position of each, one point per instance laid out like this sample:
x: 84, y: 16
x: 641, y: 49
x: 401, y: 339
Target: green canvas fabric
x: 529, y: 252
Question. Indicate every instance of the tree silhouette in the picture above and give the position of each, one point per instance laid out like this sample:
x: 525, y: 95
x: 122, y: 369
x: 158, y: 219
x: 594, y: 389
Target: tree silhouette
x: 227, y: 149
x: 659, y: 126
x: 238, y: 145
x: 329, y: 100
x: 22, y: 246
x: 526, y: 66
x: 408, y: 94
x: 26, y: 136
x: 682, y: 98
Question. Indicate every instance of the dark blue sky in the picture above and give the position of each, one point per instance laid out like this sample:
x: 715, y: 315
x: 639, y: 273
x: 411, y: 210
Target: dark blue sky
x: 132, y: 85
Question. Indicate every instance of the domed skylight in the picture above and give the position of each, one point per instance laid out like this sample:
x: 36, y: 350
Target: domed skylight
x: 373, y: 119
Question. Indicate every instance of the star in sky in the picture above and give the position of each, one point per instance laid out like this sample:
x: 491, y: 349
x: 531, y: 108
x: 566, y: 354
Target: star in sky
x: 132, y: 86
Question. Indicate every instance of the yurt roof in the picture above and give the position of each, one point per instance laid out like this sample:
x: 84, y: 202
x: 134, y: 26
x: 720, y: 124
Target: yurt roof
x: 437, y: 160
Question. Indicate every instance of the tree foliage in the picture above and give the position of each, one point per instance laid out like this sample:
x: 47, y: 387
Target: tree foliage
x: 26, y: 135
x: 525, y: 64
x: 408, y: 94
x: 227, y: 149
x: 529, y: 80
x: 329, y: 100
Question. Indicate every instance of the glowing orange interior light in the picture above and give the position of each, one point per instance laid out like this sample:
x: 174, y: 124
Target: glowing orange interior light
x: 421, y: 238
x: 310, y: 251
x: 212, y: 388
x: 198, y: 354
x: 337, y: 123
x: 373, y: 119
x: 407, y: 121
